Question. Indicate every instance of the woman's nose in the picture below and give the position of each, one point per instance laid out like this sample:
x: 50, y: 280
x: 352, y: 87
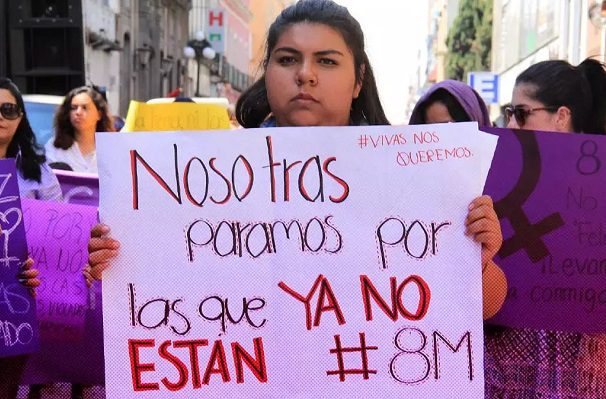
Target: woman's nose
x: 512, y: 124
x: 307, y: 74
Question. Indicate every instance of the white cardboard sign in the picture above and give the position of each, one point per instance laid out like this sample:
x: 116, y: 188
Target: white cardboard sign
x: 294, y: 263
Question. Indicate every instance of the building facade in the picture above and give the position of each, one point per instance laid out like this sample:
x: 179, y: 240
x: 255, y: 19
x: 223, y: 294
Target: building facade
x: 264, y: 13
x: 226, y: 25
x: 432, y: 54
x: 147, y: 58
x: 41, y: 45
x: 529, y: 31
x: 130, y: 48
x: 442, y: 15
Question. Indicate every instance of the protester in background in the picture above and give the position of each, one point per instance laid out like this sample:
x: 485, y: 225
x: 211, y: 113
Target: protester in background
x: 523, y: 363
x: 316, y: 73
x: 450, y: 101
x: 454, y: 101
x: 558, y: 97
x: 83, y: 112
x: 36, y: 180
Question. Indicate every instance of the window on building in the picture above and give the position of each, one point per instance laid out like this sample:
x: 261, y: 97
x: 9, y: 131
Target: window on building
x: 50, y: 9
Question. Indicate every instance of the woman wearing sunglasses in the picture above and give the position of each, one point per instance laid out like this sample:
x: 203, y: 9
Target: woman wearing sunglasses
x: 36, y: 180
x: 551, y: 96
x: 555, y: 96
x: 17, y: 140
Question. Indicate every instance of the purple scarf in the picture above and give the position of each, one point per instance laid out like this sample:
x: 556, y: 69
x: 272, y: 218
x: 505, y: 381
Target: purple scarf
x: 469, y: 99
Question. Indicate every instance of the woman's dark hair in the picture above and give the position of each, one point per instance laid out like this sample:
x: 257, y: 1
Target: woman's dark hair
x: 253, y: 108
x: 455, y: 109
x: 582, y: 89
x: 65, y: 134
x: 24, y: 141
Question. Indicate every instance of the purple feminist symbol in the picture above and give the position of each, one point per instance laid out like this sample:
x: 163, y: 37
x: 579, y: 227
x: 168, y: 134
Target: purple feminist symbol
x: 527, y: 235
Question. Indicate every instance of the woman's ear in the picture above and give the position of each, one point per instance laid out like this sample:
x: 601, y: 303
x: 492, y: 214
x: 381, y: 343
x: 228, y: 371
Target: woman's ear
x: 358, y: 86
x: 564, y: 119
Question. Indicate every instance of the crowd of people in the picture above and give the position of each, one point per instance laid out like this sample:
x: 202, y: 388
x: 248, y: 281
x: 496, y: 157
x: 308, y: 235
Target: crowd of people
x: 316, y: 73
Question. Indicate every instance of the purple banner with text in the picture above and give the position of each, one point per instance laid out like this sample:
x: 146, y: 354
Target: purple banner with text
x: 549, y: 191
x: 58, y: 236
x: 77, y: 357
x: 18, y: 326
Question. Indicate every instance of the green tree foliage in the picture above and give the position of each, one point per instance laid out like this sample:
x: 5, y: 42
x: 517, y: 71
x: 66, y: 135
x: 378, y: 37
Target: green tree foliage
x: 470, y: 39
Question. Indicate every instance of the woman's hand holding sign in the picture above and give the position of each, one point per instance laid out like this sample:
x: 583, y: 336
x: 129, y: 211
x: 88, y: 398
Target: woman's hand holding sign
x: 483, y: 224
x: 29, y: 276
x: 101, y: 249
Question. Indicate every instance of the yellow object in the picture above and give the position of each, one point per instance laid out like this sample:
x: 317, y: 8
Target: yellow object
x: 143, y: 117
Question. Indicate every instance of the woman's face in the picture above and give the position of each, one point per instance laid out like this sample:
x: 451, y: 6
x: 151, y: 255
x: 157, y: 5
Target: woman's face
x: 8, y: 127
x: 437, y: 112
x: 310, y: 77
x: 83, y: 114
x: 536, y: 117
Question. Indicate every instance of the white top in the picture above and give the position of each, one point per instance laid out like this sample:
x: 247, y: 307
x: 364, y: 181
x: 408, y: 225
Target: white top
x: 47, y: 189
x: 73, y: 157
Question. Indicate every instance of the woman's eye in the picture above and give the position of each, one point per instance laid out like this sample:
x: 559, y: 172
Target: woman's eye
x: 328, y: 61
x: 286, y: 60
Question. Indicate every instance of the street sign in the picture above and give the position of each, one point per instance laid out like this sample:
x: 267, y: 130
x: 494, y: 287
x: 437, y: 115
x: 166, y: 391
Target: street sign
x: 216, y: 29
x: 486, y: 84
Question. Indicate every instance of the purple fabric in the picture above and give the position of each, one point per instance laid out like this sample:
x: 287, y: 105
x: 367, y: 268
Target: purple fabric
x: 469, y: 99
x: 79, y: 188
x: 548, y: 190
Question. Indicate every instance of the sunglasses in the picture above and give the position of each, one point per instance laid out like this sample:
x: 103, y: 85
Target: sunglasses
x: 521, y: 113
x: 10, y: 111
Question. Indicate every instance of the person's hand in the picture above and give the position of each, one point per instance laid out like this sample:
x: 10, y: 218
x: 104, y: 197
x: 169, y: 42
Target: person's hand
x: 101, y: 250
x: 483, y: 224
x: 29, y: 276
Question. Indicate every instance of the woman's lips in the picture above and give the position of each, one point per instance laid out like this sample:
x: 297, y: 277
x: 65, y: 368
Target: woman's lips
x: 304, y: 97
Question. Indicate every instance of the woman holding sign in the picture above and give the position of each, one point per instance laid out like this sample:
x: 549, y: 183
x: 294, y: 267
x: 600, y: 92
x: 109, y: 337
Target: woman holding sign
x: 36, y: 180
x: 551, y: 96
x: 83, y: 112
x: 316, y: 73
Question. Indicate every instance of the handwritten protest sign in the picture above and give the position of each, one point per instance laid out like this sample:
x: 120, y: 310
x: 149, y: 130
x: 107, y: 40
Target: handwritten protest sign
x: 79, y: 357
x: 18, y: 326
x: 175, y: 116
x: 77, y: 361
x: 550, y: 191
x: 58, y: 236
x: 299, y: 263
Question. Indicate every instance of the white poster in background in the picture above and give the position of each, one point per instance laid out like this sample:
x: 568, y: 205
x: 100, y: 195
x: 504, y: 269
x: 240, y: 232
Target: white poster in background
x: 294, y: 263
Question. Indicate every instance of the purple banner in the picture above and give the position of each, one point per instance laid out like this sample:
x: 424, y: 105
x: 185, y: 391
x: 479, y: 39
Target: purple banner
x: 550, y: 192
x: 18, y: 326
x: 79, y: 188
x: 79, y: 360
x: 58, y: 235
